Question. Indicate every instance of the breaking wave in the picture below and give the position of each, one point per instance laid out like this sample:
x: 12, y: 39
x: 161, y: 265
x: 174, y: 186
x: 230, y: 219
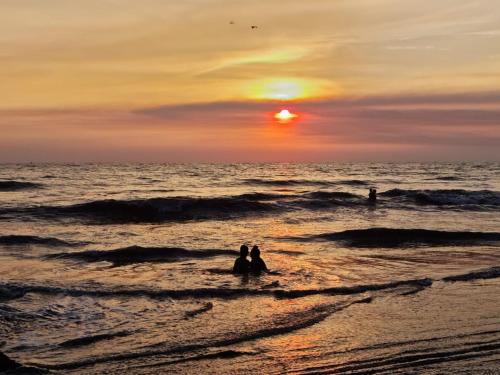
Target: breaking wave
x: 278, y: 183
x: 178, y: 209
x: 138, y: 254
x: 444, y: 197
x: 12, y: 185
x: 263, y: 196
x: 490, y: 273
x: 332, y: 195
x: 222, y: 293
x: 357, y: 289
x: 89, y: 340
x: 9, y: 292
x: 392, y: 237
x: 181, y: 209
x: 155, y: 209
x: 13, y: 240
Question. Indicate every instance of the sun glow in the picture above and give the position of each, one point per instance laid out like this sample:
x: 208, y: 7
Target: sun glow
x: 285, y: 89
x: 285, y: 116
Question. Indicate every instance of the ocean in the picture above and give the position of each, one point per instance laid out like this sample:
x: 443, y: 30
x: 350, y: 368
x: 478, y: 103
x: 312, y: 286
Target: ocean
x: 126, y: 268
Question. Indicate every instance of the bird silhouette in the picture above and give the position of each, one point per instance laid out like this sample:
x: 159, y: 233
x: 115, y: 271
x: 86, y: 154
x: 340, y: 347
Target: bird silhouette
x: 231, y: 23
x: 253, y: 27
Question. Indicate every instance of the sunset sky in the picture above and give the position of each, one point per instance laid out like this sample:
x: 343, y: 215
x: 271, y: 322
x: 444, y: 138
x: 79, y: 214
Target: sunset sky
x: 162, y: 80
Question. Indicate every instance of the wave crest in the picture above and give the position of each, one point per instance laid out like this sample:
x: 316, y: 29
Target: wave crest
x: 11, y: 185
x: 395, y: 237
x: 222, y: 293
x: 490, y: 273
x: 181, y: 209
x: 9, y: 292
x: 158, y: 209
x: 447, y: 197
x: 91, y: 339
x: 138, y: 254
x: 270, y: 182
x: 13, y: 240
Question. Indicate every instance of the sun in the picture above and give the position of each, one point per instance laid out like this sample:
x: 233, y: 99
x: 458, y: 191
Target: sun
x: 285, y: 116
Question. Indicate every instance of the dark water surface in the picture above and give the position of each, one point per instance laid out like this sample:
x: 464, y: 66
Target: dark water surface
x: 111, y: 268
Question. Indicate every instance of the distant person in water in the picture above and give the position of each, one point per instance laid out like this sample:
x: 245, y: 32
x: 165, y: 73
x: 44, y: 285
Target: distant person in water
x: 242, y: 265
x: 372, y: 196
x: 257, y: 265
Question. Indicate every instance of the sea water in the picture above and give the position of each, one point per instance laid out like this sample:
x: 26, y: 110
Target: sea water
x: 106, y: 268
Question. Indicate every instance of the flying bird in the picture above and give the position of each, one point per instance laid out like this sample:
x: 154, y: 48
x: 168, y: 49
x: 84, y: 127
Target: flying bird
x: 253, y: 27
x: 231, y: 23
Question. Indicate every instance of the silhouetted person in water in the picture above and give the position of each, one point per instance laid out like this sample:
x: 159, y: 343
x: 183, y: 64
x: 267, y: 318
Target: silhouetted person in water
x: 257, y: 265
x: 242, y: 265
x: 372, y: 196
